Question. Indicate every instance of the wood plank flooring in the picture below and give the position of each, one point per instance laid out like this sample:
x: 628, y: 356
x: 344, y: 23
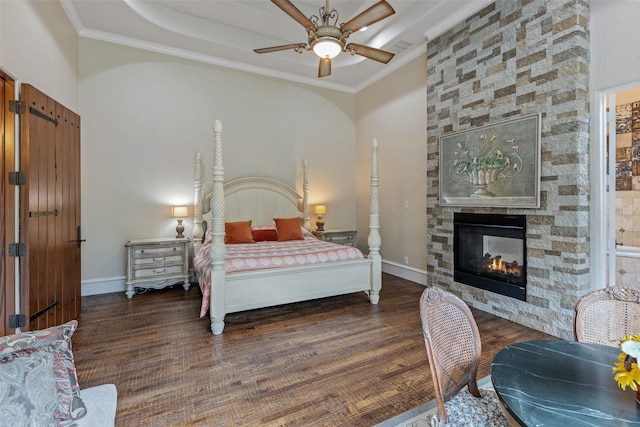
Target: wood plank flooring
x: 330, y: 362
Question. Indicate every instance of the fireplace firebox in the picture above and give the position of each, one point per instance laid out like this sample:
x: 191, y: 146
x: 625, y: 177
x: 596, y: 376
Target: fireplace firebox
x: 490, y: 252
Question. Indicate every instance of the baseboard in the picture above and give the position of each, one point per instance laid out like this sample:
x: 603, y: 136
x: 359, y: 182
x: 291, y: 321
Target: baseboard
x: 116, y: 284
x: 405, y: 272
x: 103, y: 286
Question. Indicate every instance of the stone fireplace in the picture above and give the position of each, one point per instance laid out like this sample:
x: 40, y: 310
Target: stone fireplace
x: 510, y: 59
x: 490, y: 252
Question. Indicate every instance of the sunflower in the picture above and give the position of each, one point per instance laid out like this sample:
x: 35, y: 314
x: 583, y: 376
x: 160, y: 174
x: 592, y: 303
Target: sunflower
x: 626, y: 369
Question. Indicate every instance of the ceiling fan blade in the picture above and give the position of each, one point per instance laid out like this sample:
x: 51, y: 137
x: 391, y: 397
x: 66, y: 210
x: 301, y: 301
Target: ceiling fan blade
x: 294, y: 46
x: 324, y: 68
x: 375, y: 13
x: 295, y: 13
x: 370, y: 52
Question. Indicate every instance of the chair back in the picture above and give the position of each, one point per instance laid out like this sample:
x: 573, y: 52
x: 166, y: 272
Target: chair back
x: 606, y: 316
x: 453, y: 345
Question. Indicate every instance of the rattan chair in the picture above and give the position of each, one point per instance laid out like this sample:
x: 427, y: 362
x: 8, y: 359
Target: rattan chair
x: 606, y: 316
x: 453, y: 347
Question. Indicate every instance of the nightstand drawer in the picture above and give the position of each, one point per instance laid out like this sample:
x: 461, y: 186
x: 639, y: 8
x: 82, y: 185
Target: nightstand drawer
x: 159, y: 270
x: 156, y: 260
x: 340, y: 237
x: 155, y: 251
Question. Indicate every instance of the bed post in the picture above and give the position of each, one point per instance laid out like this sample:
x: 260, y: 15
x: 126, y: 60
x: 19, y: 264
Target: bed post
x: 217, y: 303
x: 198, y: 232
x: 305, y: 197
x: 374, y: 240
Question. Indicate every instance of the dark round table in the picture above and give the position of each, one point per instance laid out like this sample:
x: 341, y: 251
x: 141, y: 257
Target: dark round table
x: 561, y: 384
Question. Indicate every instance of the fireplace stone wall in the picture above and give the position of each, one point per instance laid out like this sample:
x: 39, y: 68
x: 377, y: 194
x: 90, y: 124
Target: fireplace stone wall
x: 510, y: 59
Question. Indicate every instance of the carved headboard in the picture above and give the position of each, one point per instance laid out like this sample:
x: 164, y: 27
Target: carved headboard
x: 261, y: 200
x: 253, y: 198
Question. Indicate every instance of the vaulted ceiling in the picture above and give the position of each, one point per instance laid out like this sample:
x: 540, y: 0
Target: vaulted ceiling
x: 225, y: 32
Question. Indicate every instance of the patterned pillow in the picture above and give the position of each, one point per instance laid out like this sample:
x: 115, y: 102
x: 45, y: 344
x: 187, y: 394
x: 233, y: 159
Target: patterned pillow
x: 306, y: 234
x: 28, y: 395
x: 57, y: 341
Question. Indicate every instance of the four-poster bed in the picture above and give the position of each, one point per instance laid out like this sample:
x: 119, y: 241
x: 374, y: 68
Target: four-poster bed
x: 329, y: 271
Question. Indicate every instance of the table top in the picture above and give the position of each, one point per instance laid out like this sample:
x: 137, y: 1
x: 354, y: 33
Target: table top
x: 157, y: 240
x: 562, y: 383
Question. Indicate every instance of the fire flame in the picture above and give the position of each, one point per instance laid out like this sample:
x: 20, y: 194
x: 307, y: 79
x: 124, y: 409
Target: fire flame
x: 497, y: 265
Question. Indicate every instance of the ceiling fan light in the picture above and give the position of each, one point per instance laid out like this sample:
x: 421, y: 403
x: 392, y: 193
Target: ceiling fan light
x: 327, y: 47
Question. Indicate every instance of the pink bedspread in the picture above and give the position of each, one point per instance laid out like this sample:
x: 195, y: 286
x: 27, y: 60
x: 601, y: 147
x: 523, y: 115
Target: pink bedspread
x: 262, y: 255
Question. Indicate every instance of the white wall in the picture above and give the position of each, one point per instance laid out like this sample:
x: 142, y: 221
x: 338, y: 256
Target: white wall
x: 393, y: 110
x: 615, y: 59
x: 145, y: 115
x: 39, y: 46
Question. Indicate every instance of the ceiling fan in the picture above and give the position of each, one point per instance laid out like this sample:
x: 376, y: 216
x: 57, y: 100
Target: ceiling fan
x: 327, y: 39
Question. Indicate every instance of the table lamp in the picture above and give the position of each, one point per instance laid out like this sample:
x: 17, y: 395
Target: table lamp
x: 179, y: 212
x: 320, y: 210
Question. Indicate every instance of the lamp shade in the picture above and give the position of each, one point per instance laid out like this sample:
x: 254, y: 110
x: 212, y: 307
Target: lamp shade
x: 327, y: 47
x: 319, y: 209
x: 179, y: 212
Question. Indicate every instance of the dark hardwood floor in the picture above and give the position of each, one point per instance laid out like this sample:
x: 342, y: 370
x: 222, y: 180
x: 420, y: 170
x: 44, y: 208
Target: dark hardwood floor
x: 335, y: 361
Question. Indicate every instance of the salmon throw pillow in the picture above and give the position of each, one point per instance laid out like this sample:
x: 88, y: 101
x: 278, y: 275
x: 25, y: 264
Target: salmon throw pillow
x: 289, y: 229
x: 238, y: 232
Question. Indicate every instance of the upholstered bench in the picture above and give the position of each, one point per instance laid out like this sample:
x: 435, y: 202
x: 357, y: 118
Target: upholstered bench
x: 101, y: 402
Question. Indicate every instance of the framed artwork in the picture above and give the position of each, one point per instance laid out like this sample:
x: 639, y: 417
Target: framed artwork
x: 496, y: 165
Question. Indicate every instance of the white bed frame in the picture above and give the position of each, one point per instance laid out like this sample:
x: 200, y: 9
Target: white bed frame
x: 261, y: 200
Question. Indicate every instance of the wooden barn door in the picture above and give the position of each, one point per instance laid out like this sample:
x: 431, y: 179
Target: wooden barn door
x: 50, y: 210
x: 7, y: 206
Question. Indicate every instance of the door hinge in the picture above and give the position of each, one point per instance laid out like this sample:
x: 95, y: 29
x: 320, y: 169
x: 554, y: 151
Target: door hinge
x: 17, y: 107
x: 17, y: 178
x: 17, y: 321
x: 17, y: 249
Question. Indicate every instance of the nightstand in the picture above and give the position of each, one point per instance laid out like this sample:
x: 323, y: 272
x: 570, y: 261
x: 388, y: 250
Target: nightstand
x: 157, y: 263
x: 341, y: 237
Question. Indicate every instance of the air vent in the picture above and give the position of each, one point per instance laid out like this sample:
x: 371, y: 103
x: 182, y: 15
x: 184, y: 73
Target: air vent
x: 400, y: 47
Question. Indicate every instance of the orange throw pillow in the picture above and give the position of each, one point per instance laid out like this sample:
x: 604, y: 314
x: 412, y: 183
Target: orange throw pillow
x: 289, y: 229
x: 238, y: 232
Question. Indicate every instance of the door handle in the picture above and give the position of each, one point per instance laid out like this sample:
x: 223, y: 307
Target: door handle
x: 80, y: 239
